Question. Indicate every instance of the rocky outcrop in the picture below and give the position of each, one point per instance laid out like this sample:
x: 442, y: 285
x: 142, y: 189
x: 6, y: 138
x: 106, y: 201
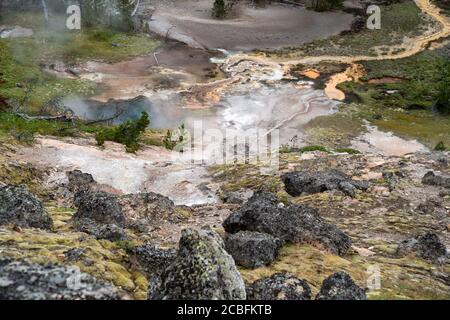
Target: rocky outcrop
x: 19, y: 207
x: 147, y: 206
x: 79, y: 181
x: 253, y: 249
x: 280, y: 286
x: 100, y: 207
x: 105, y: 215
x: 340, y: 286
x: 237, y: 197
x: 427, y: 246
x: 430, y: 178
x: 297, y: 183
x: 433, y: 206
x: 109, y: 231
x: 21, y: 280
x: 293, y: 223
x: 202, y: 270
x: 153, y: 261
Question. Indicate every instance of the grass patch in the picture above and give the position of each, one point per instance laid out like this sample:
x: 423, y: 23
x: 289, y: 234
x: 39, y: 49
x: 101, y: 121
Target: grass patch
x: 21, y: 78
x: 24, y: 130
x: 313, y: 148
x: 22, y: 81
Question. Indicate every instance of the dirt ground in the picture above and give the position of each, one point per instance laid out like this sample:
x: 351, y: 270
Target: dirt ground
x: 270, y: 27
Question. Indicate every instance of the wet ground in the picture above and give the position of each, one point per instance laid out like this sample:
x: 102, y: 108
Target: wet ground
x: 269, y: 27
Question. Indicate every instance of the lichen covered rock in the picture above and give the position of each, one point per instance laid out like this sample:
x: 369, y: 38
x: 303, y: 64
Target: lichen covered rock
x: 280, y: 286
x: 79, y: 181
x: 253, y: 249
x: 21, y: 280
x: 293, y: 223
x: 151, y: 258
x: 100, y: 207
x: 427, y: 246
x: 153, y: 261
x: 202, y: 270
x: 432, y: 179
x: 340, y: 286
x: 300, y: 182
x: 19, y: 207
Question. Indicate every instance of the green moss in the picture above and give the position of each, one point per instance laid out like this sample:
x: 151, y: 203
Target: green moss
x: 348, y: 150
x: 399, y: 277
x: 110, y: 263
x: 313, y: 148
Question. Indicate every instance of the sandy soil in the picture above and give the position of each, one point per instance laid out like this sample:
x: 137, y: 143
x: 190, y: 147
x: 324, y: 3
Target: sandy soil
x: 264, y: 28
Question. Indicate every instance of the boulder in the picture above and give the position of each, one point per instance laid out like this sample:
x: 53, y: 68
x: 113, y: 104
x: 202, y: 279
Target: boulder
x: 300, y: 182
x: 202, y: 270
x: 253, y: 249
x: 147, y: 206
x: 430, y: 178
x: 153, y: 261
x: 79, y: 181
x: 427, y: 246
x: 237, y: 197
x: 101, y: 231
x: 136, y: 211
x: 433, y: 206
x: 280, y: 286
x: 20, y: 207
x: 151, y: 258
x: 293, y: 223
x: 340, y: 286
x: 100, y: 207
x: 21, y: 280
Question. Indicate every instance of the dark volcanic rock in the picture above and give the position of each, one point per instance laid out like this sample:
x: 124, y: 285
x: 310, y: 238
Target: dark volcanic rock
x: 100, y: 207
x: 151, y: 258
x: 433, y: 206
x: 280, y: 286
x: 253, y: 249
x: 202, y: 270
x: 297, y: 183
x: 430, y: 178
x: 294, y: 223
x: 136, y: 211
x: 340, y: 286
x: 18, y: 206
x: 79, y: 181
x: 237, y: 197
x: 20, y: 280
x: 148, y: 206
x: 111, y: 232
x: 427, y: 246
x: 107, y: 231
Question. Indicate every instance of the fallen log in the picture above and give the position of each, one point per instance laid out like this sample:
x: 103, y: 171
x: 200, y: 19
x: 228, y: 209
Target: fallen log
x: 64, y: 118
